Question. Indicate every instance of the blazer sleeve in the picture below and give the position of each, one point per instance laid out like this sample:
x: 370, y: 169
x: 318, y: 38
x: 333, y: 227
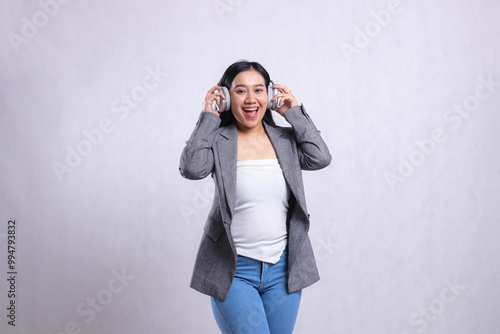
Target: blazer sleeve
x: 312, y: 150
x: 197, y: 158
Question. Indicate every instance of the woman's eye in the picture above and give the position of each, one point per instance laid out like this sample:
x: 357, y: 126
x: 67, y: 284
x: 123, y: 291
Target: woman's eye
x: 240, y: 91
x: 258, y: 90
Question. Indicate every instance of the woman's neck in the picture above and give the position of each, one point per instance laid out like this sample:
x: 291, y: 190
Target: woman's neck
x: 255, y: 131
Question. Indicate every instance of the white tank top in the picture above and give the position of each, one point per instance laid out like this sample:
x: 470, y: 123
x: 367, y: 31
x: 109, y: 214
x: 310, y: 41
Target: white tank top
x: 259, y: 221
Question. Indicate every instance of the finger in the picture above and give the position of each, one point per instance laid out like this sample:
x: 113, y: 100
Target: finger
x: 282, y: 89
x: 283, y: 95
x: 212, y: 90
x: 215, y: 96
x: 219, y: 95
x: 277, y: 86
x: 287, y: 99
x: 212, y: 98
x: 281, y: 98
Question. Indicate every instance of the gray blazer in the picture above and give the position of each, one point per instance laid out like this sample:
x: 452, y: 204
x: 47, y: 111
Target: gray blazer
x: 212, y: 149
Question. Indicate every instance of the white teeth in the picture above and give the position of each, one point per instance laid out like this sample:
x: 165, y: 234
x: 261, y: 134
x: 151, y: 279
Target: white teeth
x: 251, y: 109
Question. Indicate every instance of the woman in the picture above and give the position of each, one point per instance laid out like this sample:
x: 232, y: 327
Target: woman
x: 255, y: 256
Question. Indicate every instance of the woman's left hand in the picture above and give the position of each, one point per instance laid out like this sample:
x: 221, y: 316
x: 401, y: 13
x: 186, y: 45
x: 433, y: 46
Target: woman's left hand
x: 287, y: 99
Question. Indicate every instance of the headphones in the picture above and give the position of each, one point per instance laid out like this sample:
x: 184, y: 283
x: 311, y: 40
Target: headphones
x: 226, y: 104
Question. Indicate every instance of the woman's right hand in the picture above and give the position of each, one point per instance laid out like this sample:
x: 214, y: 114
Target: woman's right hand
x: 214, y: 94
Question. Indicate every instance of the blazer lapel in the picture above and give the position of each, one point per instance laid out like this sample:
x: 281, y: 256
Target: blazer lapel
x: 287, y: 162
x: 227, y: 151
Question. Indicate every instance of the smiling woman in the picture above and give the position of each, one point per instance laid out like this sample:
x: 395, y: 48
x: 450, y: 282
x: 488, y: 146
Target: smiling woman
x: 249, y: 96
x: 260, y: 75
x: 255, y: 256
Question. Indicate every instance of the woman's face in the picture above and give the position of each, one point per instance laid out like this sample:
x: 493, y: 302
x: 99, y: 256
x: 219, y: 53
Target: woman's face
x: 248, y: 99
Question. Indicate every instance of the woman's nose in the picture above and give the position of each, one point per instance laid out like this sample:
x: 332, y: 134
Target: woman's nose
x: 250, y: 97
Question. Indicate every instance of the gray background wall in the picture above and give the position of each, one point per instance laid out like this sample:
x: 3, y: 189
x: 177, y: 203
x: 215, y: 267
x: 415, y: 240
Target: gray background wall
x: 405, y: 222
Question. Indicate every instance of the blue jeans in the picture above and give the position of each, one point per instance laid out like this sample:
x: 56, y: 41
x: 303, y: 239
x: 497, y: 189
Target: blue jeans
x: 258, y: 301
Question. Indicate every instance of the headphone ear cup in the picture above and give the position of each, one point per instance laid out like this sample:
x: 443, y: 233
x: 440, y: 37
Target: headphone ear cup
x: 271, y: 91
x: 225, y: 104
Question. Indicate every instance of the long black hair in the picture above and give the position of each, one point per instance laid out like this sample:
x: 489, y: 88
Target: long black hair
x: 227, y: 81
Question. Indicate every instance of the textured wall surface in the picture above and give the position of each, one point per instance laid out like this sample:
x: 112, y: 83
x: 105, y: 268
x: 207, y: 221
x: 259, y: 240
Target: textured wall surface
x: 97, y: 99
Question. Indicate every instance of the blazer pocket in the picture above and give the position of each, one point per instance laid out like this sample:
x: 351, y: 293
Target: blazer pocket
x: 213, y: 229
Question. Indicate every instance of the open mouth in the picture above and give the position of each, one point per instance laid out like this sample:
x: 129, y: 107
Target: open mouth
x: 251, y: 112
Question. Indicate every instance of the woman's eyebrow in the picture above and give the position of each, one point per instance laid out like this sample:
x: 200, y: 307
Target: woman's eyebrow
x: 241, y: 85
